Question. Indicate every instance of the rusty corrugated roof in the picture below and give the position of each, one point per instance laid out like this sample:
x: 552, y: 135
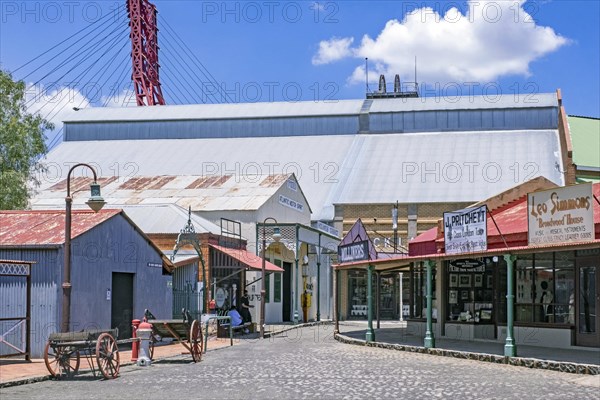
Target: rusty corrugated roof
x: 45, y: 227
x: 207, y: 193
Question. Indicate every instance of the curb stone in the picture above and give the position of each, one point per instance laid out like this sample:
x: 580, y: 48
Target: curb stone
x: 561, y: 366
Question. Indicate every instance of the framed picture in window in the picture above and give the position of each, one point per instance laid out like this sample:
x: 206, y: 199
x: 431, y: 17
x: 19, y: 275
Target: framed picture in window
x: 478, y: 280
x: 464, y: 295
x: 490, y: 282
x: 464, y: 281
x: 453, y: 297
x: 453, y: 280
x: 485, y: 314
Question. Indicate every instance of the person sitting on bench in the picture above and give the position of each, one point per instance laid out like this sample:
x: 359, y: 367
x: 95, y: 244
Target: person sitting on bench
x: 236, y: 318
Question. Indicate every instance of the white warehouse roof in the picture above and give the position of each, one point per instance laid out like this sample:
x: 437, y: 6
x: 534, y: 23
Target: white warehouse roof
x: 340, y: 169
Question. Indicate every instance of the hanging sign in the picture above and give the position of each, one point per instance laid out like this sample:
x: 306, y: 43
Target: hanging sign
x: 465, y: 230
x: 560, y: 215
x: 352, y: 252
x: 466, y: 264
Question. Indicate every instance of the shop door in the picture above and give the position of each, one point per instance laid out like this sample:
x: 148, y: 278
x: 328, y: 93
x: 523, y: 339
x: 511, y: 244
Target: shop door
x: 122, y: 303
x: 587, y: 320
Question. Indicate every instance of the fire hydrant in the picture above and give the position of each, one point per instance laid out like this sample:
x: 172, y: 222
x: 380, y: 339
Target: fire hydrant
x: 134, y: 346
x: 144, y: 332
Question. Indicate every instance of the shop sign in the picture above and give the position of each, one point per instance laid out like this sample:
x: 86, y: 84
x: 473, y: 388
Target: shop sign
x: 293, y: 204
x: 561, y: 215
x: 465, y: 230
x: 352, y: 252
x: 466, y: 264
x: 323, y: 227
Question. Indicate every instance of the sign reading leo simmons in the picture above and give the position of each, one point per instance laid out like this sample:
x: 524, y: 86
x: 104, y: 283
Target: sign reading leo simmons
x: 358, y: 251
x: 561, y: 215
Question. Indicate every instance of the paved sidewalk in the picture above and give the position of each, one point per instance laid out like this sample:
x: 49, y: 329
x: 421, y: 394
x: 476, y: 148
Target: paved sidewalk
x: 398, y: 336
x: 18, y: 371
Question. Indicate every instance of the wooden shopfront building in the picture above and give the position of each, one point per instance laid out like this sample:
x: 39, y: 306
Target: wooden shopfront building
x: 536, y: 282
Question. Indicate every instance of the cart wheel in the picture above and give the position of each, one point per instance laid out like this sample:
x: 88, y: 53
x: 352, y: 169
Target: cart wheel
x: 62, y: 362
x: 107, y: 356
x: 196, y: 342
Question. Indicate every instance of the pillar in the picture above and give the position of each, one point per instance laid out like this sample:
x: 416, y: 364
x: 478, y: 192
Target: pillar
x: 510, y: 349
x: 378, y: 300
x: 429, y: 336
x: 370, y: 336
x: 336, y: 319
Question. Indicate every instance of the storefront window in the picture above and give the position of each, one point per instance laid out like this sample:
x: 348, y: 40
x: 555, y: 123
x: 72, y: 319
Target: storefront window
x: 471, y: 290
x: 564, y: 288
x: 357, y: 293
x: 544, y: 288
x: 419, y: 290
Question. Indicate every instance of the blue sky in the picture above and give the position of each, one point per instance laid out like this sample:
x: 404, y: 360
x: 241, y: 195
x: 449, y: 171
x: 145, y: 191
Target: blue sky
x: 262, y: 51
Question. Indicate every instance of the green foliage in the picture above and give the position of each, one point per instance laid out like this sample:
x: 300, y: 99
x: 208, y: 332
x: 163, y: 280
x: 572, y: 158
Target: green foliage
x: 22, y: 144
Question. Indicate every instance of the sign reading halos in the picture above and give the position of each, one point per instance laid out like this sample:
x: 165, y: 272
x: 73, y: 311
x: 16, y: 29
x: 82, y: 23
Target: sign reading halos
x: 561, y: 215
x: 465, y: 230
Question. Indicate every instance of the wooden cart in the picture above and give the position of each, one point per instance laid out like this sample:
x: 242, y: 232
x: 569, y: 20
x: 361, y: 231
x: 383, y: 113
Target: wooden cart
x: 187, y: 331
x: 63, y: 352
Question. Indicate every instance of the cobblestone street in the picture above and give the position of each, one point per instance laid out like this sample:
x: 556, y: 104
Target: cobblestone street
x: 308, y: 363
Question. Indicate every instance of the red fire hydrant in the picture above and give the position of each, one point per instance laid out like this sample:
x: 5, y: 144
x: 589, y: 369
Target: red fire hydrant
x: 134, y: 346
x: 145, y: 335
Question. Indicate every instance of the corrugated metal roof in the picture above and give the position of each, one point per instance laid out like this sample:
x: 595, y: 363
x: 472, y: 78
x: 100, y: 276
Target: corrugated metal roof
x: 309, y: 108
x: 167, y: 219
x: 335, y: 169
x: 447, y: 167
x: 40, y: 228
x: 217, y: 111
x: 315, y: 160
x: 249, y: 259
x: 245, y: 192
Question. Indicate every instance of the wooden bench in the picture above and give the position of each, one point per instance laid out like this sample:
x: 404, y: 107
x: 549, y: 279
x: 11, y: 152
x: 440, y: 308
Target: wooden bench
x: 223, y: 328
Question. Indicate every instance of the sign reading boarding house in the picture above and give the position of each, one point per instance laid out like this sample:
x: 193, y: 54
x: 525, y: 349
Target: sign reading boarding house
x: 465, y: 230
x: 352, y: 252
x: 561, y: 215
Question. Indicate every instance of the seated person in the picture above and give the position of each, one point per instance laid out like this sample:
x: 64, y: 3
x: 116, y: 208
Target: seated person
x: 236, y: 318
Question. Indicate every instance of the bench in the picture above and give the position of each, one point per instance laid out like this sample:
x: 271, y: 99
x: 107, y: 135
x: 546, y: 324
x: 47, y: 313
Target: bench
x: 223, y: 328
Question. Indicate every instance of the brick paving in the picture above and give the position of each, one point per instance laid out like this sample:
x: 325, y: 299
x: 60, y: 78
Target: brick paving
x: 307, y: 363
x: 13, y: 371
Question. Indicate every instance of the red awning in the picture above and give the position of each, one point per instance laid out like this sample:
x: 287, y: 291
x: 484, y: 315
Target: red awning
x: 250, y: 260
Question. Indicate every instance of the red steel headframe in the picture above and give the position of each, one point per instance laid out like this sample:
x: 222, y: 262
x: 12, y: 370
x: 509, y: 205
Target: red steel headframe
x: 144, y: 52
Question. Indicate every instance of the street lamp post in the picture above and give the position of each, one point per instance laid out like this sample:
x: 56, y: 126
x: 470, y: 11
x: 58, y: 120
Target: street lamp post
x: 96, y: 202
x: 263, y: 291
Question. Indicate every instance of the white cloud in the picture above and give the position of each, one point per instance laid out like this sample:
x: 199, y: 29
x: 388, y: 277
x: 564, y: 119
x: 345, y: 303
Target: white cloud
x: 54, y: 104
x: 333, y: 50
x: 492, y: 39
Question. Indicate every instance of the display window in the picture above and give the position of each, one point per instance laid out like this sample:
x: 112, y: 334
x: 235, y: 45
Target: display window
x: 470, y: 294
x: 545, y: 288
